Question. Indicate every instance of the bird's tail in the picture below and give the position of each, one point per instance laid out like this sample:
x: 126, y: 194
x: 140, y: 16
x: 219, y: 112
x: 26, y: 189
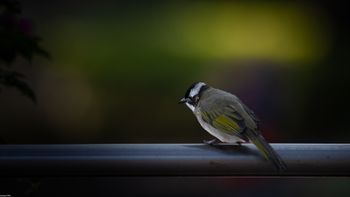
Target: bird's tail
x: 266, y: 149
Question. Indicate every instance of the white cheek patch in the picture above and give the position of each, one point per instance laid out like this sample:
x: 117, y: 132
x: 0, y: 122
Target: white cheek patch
x: 195, y: 89
x: 190, y: 106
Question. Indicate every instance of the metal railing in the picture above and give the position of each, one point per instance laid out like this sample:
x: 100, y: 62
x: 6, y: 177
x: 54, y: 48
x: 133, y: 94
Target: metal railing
x: 171, y: 160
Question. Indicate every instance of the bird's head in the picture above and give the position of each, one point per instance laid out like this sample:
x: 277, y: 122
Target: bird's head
x: 193, y: 94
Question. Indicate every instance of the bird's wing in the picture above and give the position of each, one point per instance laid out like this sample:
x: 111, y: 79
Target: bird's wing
x: 226, y: 119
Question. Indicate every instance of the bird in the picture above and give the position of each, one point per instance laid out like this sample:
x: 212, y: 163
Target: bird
x: 228, y: 119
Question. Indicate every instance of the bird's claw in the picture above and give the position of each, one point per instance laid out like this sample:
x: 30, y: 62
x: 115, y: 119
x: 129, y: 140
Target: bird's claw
x: 211, y: 142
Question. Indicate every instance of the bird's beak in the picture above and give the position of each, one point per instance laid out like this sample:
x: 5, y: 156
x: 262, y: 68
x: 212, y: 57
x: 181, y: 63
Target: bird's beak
x: 183, y: 100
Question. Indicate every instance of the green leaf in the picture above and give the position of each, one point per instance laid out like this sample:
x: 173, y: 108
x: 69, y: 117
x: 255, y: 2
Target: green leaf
x: 15, y: 79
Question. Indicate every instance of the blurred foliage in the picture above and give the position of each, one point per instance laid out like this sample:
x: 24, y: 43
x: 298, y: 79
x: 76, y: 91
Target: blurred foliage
x: 16, y: 39
x: 14, y: 79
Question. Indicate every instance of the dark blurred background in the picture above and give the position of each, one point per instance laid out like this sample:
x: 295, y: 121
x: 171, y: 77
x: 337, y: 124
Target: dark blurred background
x: 118, y: 68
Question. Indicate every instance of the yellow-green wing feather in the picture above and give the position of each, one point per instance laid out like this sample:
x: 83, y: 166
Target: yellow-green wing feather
x: 225, y: 123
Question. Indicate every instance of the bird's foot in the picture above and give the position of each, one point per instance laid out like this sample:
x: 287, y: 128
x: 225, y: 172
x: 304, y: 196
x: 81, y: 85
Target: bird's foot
x: 212, y: 142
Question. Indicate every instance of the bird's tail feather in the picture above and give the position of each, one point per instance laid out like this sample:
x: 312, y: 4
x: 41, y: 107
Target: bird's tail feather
x: 266, y: 149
